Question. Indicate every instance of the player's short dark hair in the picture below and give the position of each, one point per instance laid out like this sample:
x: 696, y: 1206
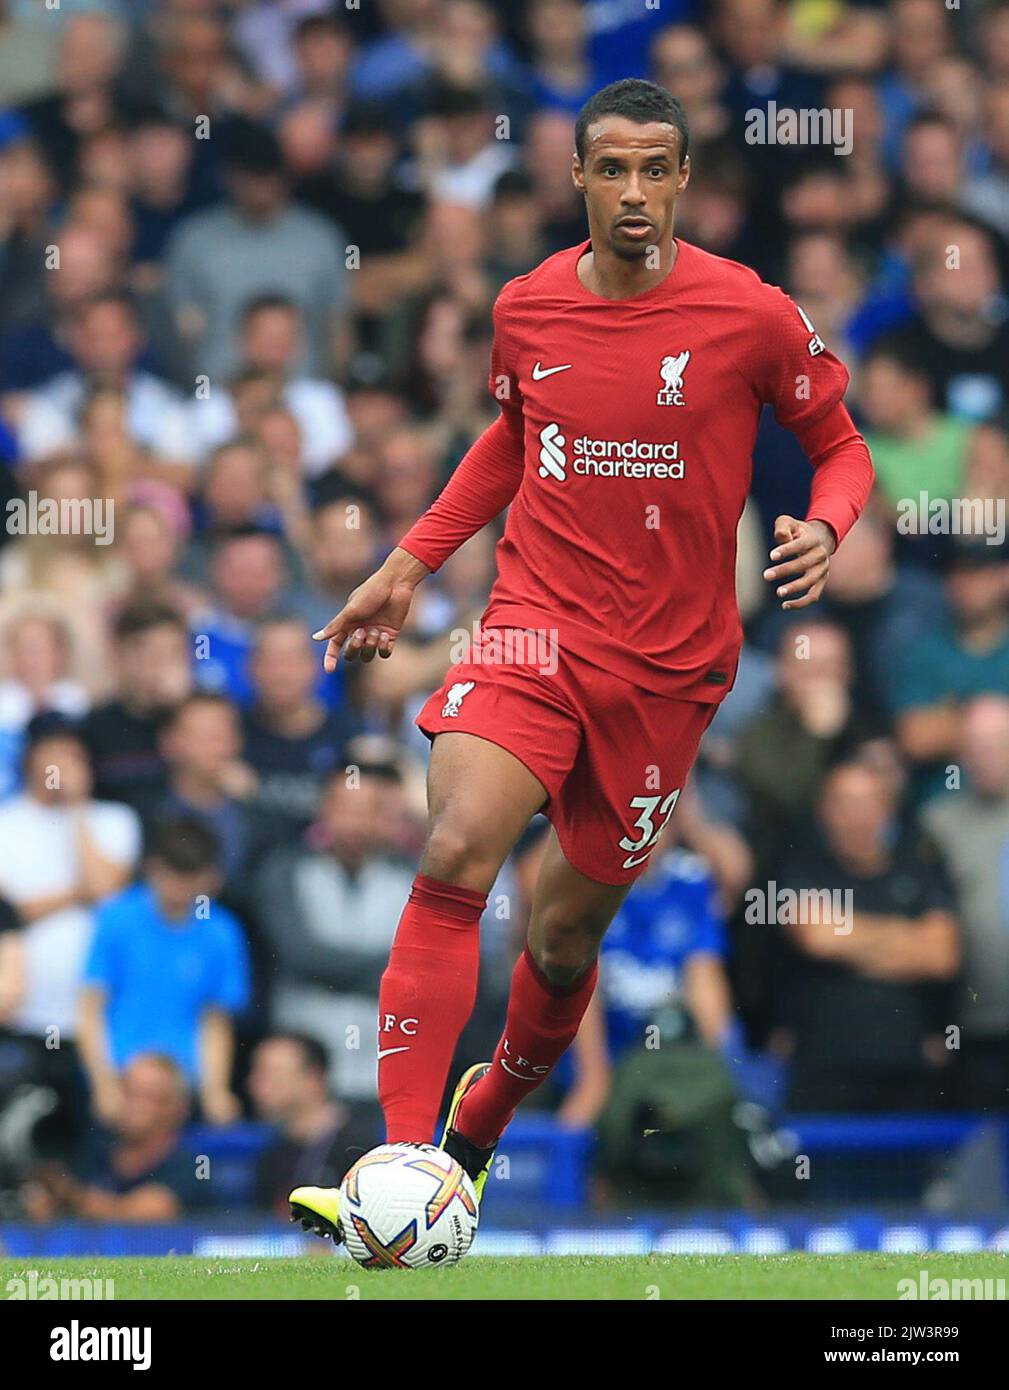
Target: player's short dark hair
x: 314, y: 1054
x: 143, y: 615
x: 185, y: 845
x: 636, y: 100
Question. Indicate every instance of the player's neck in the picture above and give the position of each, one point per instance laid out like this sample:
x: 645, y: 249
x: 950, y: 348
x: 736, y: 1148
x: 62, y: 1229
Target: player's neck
x: 611, y: 277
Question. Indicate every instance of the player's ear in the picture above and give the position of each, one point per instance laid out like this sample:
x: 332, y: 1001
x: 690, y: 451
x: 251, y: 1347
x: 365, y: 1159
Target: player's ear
x: 577, y: 173
x: 683, y: 178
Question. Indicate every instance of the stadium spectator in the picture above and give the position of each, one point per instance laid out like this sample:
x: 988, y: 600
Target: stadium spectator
x: 37, y: 349
x: 152, y: 659
x: 293, y: 742
x: 684, y: 62
x: 234, y: 496
x: 328, y: 915
x: 365, y: 192
x: 563, y: 74
x: 812, y: 715
x: 270, y: 342
x: 268, y: 32
x: 256, y: 243
x: 139, y: 1171
x: 167, y: 972
x: 28, y: 57
x: 37, y: 679
x: 959, y: 332
x: 159, y: 163
x: 883, y: 606
x: 971, y: 827
x: 968, y: 655
x: 105, y: 342
x: 90, y: 56
x: 319, y: 1137
x: 201, y: 742
x: 155, y: 527
x: 915, y: 448
x: 61, y: 854
x: 343, y: 544
x: 874, y: 940
x: 248, y: 575
x: 648, y: 1062
x: 28, y: 190
x: 322, y: 51
x: 932, y: 161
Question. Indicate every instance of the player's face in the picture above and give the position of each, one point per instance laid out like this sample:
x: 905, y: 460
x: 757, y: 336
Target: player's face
x: 631, y: 177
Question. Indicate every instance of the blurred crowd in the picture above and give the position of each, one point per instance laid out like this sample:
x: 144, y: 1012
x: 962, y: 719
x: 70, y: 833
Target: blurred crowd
x: 248, y: 253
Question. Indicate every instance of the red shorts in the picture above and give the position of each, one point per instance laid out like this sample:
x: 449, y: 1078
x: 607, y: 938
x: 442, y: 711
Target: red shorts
x: 612, y: 756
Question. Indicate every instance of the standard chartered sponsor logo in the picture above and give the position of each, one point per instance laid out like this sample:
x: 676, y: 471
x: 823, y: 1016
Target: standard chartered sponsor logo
x: 552, y: 456
x: 607, y: 458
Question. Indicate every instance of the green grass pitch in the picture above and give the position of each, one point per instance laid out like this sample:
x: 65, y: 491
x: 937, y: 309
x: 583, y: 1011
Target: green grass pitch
x: 657, y: 1277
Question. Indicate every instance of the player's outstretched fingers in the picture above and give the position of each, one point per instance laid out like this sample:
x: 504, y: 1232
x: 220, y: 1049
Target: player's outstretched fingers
x: 804, y: 571
x: 369, y: 648
x: 355, y: 645
x: 334, y: 634
x: 807, y: 590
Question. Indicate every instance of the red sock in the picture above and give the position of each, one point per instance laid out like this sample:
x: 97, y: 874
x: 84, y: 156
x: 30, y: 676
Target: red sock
x: 541, y: 1025
x: 426, y: 997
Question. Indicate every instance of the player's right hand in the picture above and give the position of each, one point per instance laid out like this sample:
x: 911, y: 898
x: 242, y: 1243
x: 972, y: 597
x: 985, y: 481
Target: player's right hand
x: 369, y: 621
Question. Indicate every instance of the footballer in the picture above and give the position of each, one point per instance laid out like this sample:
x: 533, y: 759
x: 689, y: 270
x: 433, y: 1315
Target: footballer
x: 631, y: 371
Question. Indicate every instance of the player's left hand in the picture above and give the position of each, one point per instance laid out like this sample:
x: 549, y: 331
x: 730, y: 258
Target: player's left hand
x: 801, y: 560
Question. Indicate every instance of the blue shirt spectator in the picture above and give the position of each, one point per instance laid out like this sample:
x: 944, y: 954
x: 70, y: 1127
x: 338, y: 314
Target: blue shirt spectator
x: 160, y: 976
x: 669, y: 917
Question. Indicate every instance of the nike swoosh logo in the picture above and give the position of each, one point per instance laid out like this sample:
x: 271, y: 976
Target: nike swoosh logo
x: 388, y: 1051
x: 539, y: 371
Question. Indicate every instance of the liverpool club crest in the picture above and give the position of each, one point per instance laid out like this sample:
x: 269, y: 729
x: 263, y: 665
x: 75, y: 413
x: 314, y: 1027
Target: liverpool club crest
x: 671, y: 371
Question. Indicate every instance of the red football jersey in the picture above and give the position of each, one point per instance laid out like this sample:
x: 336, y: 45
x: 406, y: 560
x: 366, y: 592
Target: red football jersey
x: 637, y: 419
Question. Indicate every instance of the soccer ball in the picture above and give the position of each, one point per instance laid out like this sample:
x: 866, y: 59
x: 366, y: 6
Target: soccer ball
x: 407, y: 1206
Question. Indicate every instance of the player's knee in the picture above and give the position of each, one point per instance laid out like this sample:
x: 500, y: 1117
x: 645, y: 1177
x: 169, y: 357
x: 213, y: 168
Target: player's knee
x: 563, y: 946
x: 455, y: 852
